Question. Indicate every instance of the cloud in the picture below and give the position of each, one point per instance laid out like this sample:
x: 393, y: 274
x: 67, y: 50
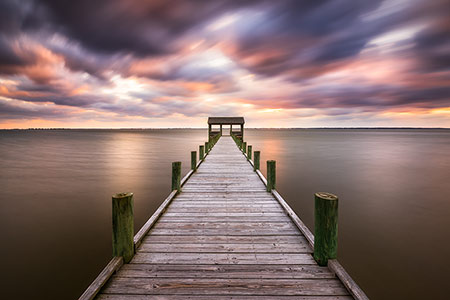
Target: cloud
x: 165, y: 58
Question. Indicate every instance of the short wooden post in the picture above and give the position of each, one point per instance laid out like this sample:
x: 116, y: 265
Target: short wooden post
x: 257, y: 160
x: 123, y: 226
x: 249, y: 152
x: 244, y: 147
x: 271, y: 174
x: 206, y: 147
x: 176, y: 176
x: 193, y: 160
x: 326, y: 227
x: 201, y: 152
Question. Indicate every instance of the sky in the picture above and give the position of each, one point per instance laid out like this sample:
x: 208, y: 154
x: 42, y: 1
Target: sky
x: 173, y: 63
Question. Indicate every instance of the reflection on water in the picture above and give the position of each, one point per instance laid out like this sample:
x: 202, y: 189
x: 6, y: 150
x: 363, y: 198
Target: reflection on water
x: 393, y: 219
x: 55, y: 208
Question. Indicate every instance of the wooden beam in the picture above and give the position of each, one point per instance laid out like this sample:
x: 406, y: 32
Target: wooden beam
x: 93, y: 289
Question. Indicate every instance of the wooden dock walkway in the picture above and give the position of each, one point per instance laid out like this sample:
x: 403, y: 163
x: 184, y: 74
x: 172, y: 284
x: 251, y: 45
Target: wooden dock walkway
x: 224, y: 237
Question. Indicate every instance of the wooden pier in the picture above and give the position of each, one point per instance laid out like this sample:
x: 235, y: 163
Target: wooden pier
x: 223, y: 236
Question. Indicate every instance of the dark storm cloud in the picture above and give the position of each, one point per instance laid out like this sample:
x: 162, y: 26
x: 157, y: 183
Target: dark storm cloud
x: 139, y: 27
x: 306, y: 36
x: 433, y: 48
x: 375, y: 97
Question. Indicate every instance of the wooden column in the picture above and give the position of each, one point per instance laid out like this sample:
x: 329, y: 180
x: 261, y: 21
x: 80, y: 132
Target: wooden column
x: 249, y: 152
x: 201, y: 152
x: 176, y: 176
x: 326, y: 227
x: 231, y: 129
x: 271, y: 175
x: 242, y: 131
x: 123, y: 226
x: 209, y: 132
x: 220, y: 129
x: 193, y: 160
x: 206, y: 147
x: 244, y: 147
x: 257, y: 160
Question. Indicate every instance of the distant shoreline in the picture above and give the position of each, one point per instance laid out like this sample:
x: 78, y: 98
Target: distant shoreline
x: 252, y: 128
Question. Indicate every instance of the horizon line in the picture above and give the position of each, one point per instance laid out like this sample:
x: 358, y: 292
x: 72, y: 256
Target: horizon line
x: 165, y: 128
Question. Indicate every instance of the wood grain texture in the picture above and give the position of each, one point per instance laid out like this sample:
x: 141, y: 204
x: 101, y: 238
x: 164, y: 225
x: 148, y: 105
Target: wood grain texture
x: 224, y: 237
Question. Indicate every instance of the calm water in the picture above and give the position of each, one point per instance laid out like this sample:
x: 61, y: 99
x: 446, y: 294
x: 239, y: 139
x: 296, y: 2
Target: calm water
x: 55, y: 206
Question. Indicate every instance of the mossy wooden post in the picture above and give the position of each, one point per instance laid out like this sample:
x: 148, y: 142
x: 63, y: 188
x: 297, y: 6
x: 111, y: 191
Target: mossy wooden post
x: 271, y: 175
x: 194, y: 160
x: 257, y: 160
x: 249, y: 152
x: 201, y: 152
x: 244, y: 147
x: 123, y: 226
x: 176, y: 176
x: 326, y: 227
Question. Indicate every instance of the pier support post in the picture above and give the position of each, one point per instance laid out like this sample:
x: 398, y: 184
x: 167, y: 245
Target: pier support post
x: 194, y: 160
x: 244, y: 147
x: 176, y: 176
x: 326, y: 227
x: 206, y: 147
x: 123, y: 226
x: 201, y: 152
x: 257, y: 160
x: 249, y: 152
x: 209, y: 132
x: 271, y: 175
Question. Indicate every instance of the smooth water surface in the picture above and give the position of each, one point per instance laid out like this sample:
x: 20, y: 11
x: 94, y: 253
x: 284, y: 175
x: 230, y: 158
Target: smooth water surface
x: 55, y: 205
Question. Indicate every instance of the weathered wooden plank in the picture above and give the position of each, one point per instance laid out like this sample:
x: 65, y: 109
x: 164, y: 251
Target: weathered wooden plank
x: 223, y: 258
x: 301, y: 226
x: 229, y: 226
x: 216, y: 297
x: 226, y: 271
x: 217, y: 286
x: 228, y: 219
x: 149, y: 224
x: 256, y: 231
x: 224, y: 209
x: 226, y: 248
x: 254, y: 239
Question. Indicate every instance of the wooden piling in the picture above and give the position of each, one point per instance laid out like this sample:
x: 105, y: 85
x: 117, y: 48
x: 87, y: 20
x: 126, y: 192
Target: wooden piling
x: 206, y: 147
x: 176, y: 176
x: 257, y: 160
x: 271, y: 175
x: 193, y: 160
x: 123, y: 226
x: 201, y: 152
x: 249, y: 152
x: 326, y: 227
x: 244, y: 147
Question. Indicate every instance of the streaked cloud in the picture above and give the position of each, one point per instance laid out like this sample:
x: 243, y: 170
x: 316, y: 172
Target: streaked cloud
x: 279, y: 63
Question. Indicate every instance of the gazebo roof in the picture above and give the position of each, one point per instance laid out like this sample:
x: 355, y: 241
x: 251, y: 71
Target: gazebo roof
x: 226, y: 120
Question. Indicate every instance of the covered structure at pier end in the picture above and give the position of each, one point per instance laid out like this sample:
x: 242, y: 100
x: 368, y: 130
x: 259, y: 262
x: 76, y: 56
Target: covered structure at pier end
x: 226, y: 121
